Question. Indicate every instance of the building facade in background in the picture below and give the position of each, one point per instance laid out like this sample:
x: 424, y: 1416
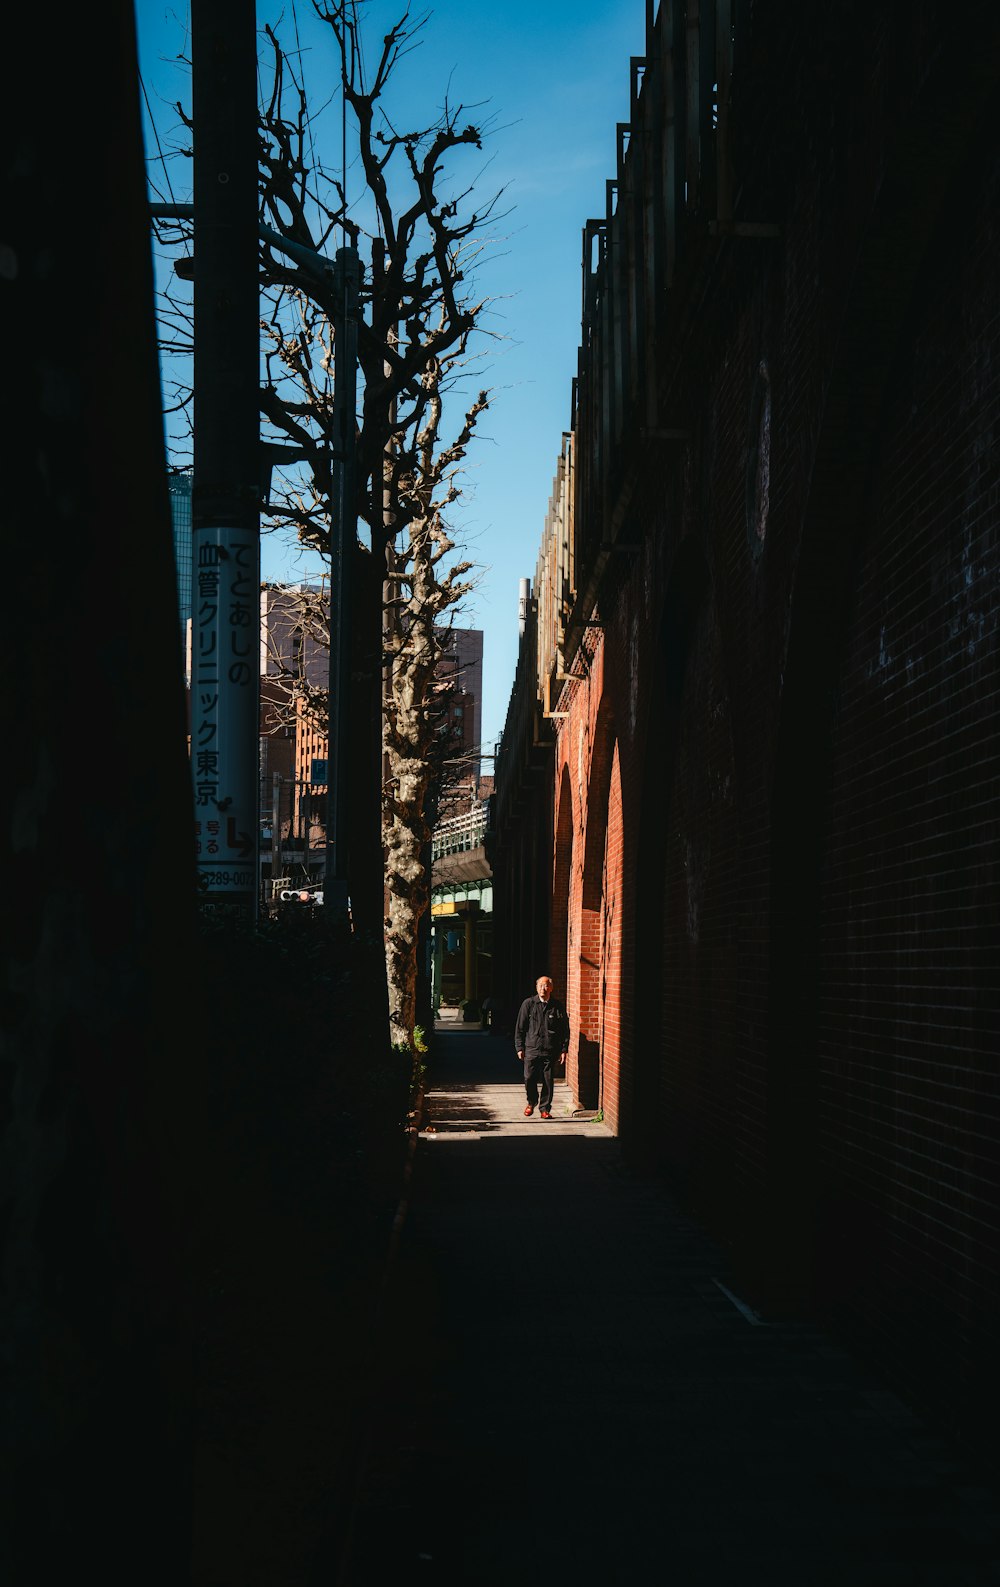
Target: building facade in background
x: 292, y: 803
x: 745, y: 807
x: 461, y: 940
x: 179, y: 485
x: 461, y: 936
x: 460, y: 669
x: 294, y: 765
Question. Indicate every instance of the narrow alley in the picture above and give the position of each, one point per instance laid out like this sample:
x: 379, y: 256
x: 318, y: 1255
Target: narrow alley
x: 580, y: 1396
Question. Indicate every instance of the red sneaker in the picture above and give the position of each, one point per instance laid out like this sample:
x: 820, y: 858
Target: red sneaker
x: 529, y: 1110
x: 544, y: 1114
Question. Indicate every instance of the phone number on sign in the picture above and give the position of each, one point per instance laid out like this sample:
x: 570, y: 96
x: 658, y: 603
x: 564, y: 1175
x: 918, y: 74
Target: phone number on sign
x: 223, y: 879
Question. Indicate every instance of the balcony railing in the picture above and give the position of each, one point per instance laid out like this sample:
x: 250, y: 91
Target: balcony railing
x: 459, y: 834
x: 670, y: 201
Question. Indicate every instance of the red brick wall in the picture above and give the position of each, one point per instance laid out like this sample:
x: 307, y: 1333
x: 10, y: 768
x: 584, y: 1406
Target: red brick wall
x: 588, y: 773
x: 587, y: 901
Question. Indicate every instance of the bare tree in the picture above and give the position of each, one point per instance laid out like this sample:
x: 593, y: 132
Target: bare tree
x: 419, y: 239
x: 422, y: 748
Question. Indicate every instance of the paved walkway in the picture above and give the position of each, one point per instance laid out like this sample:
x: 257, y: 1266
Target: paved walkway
x: 572, y: 1396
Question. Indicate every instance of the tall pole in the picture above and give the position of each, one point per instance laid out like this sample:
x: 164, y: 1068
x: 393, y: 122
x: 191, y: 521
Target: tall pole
x: 225, y: 662
x: 471, y: 920
x: 343, y: 541
x: 275, y: 836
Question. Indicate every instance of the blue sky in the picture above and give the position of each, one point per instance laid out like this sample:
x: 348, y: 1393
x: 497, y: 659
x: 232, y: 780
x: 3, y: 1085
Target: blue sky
x: 555, y: 79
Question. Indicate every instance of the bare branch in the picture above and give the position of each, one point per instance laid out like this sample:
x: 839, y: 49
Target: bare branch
x: 422, y: 236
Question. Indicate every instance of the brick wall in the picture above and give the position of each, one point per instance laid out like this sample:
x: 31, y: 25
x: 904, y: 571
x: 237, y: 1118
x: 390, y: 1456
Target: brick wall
x: 775, y: 780
x: 908, y: 1035
x: 610, y: 956
x: 587, y: 892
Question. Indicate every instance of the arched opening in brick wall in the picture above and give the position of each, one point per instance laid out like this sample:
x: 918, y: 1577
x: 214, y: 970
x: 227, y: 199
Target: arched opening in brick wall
x: 700, y: 1057
x: 645, y: 1093
x: 561, y: 881
x: 589, y: 936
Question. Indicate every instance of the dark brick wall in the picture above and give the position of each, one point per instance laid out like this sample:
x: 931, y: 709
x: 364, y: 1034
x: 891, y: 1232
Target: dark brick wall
x: 908, y: 1034
x: 700, y: 1096
x: 798, y: 663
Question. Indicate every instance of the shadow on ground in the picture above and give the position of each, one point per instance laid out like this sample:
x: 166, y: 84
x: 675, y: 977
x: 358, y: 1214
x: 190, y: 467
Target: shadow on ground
x: 572, y: 1394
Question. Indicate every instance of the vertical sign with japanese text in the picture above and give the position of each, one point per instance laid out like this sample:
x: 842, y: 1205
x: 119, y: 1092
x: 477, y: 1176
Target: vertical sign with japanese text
x: 225, y: 686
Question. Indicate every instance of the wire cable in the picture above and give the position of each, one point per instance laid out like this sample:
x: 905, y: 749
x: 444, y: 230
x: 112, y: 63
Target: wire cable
x: 302, y: 71
x: 156, y: 137
x: 163, y: 159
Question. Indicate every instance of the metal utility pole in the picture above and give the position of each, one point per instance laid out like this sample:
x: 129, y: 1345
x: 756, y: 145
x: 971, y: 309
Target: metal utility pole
x: 225, y: 660
x: 347, y: 279
x: 275, y: 836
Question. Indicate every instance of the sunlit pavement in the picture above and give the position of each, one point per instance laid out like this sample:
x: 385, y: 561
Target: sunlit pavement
x: 478, y: 1088
x: 574, y: 1393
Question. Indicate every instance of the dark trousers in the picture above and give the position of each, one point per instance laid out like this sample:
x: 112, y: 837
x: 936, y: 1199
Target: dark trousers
x: 538, y: 1072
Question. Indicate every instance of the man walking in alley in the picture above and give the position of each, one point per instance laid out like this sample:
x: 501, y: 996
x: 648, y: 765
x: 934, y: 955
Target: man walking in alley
x: 541, y: 1037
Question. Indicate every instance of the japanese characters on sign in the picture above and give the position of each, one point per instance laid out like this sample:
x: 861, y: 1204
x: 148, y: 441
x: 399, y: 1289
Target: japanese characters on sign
x: 224, y: 706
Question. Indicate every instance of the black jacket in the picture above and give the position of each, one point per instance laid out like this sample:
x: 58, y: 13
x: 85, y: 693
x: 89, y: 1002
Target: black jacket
x: 541, y: 1027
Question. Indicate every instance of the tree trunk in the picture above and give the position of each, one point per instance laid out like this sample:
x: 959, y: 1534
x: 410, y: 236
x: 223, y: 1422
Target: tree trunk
x: 409, y: 895
x: 406, y: 835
